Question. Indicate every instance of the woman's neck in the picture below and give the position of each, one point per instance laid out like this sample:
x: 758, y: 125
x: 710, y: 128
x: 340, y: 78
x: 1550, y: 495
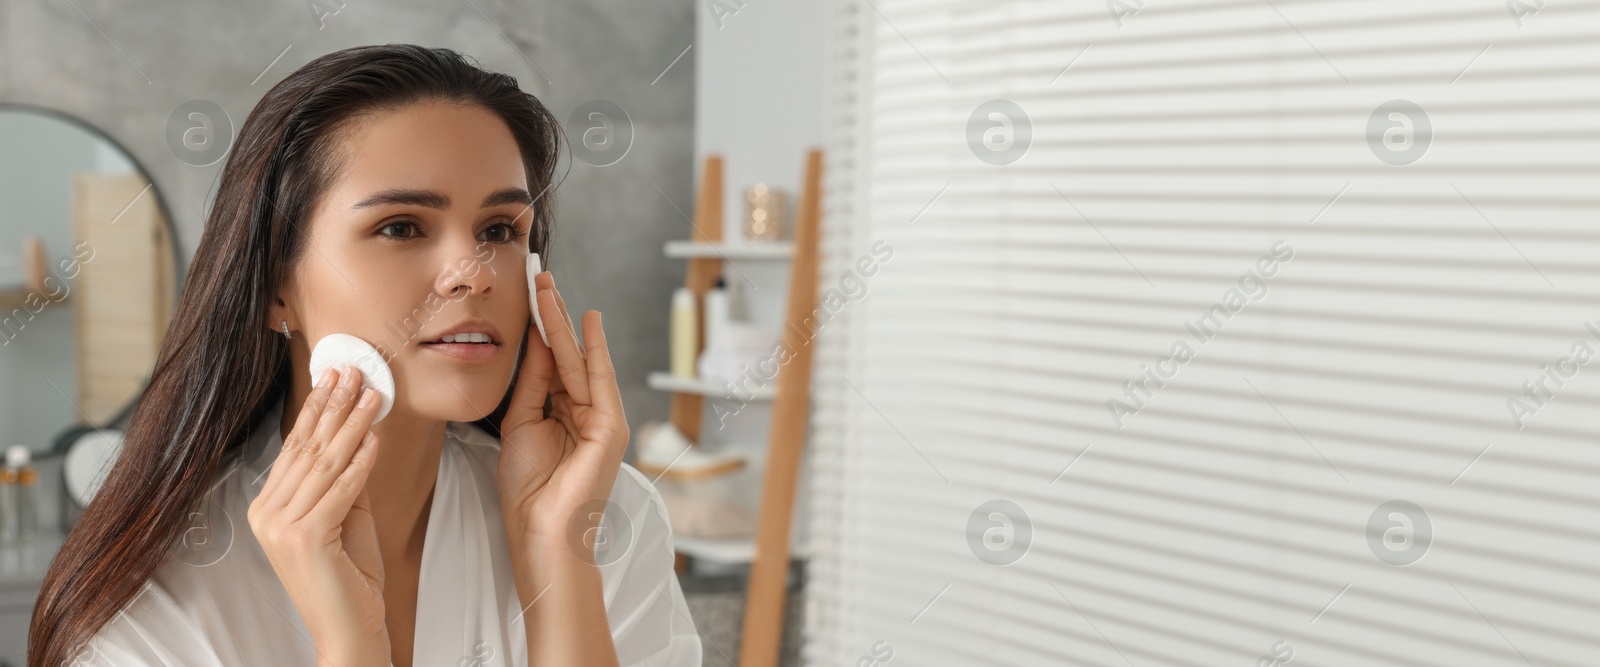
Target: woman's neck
x: 401, y: 483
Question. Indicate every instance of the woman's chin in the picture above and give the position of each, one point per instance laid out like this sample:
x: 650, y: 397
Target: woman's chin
x: 431, y: 392
x: 449, y: 405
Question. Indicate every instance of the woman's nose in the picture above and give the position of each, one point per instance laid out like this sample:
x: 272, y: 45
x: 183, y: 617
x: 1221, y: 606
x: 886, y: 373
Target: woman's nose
x: 467, y: 273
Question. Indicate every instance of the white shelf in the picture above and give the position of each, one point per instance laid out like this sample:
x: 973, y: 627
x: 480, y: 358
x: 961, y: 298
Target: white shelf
x: 725, y: 550
x: 663, y: 381
x: 730, y: 550
x: 775, y: 250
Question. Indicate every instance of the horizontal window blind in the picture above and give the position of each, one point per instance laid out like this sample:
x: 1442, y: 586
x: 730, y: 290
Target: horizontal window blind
x: 1210, y: 333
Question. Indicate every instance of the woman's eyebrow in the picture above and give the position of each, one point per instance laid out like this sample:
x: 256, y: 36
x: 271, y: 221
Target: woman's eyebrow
x: 511, y: 195
x: 432, y: 199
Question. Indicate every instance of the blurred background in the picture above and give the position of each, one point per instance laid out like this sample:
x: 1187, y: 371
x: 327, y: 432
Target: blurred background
x: 1015, y: 332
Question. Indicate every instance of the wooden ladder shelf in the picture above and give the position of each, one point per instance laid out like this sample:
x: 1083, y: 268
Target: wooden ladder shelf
x: 766, y: 590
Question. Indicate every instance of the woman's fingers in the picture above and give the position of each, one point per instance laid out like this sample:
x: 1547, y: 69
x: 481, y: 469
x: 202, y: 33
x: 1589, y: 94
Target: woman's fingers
x: 312, y: 456
x: 611, y: 427
x: 570, y: 364
x: 335, y: 457
x: 568, y: 316
x: 533, y: 383
x: 275, y: 493
x: 584, y: 370
x: 335, y: 409
x: 602, y: 375
x: 344, y: 491
x: 340, y: 403
x: 547, y: 281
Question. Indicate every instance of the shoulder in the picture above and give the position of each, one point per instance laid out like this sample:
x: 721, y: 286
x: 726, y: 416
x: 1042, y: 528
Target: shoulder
x: 215, y: 599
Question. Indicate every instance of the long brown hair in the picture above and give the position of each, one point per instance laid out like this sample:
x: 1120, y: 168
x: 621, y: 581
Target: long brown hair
x: 220, y: 368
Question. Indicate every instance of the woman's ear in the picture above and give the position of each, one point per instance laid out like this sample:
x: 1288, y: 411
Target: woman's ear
x: 279, y: 314
x: 285, y: 307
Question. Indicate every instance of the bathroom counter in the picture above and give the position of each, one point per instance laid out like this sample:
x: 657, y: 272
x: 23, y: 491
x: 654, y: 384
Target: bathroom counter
x: 22, y: 569
x: 22, y: 566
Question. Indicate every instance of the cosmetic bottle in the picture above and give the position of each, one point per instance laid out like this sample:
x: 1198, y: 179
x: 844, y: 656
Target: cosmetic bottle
x: 738, y: 301
x: 716, y: 359
x: 22, y: 487
x: 684, y: 333
x: 717, y: 316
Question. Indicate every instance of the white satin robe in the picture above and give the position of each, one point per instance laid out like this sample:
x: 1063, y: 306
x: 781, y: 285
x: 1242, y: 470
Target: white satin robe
x: 217, y: 601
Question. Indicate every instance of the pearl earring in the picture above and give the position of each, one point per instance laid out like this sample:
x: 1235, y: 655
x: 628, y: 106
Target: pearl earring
x: 285, y: 329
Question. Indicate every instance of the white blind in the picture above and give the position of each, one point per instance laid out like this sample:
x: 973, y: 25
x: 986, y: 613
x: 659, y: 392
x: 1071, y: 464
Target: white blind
x: 1348, y: 469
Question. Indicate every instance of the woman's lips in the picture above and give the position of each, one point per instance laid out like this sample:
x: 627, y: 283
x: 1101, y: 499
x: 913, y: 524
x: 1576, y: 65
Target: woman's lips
x: 465, y: 351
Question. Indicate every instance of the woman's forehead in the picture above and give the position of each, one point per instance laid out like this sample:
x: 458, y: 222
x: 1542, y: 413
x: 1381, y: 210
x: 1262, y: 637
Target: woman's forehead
x: 465, y: 152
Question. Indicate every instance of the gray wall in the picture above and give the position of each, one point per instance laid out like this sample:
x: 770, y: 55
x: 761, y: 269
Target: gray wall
x: 125, y: 67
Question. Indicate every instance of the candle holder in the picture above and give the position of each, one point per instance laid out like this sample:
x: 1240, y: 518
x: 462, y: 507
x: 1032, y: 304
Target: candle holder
x: 766, y: 212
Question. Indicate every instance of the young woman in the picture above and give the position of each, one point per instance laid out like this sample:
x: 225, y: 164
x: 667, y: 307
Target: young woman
x: 259, y: 516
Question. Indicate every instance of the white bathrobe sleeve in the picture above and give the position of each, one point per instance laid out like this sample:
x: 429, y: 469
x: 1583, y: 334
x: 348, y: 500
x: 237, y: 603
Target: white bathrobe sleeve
x: 650, y: 621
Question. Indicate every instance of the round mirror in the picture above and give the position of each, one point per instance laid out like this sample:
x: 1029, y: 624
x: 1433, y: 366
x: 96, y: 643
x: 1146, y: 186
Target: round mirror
x: 87, y: 277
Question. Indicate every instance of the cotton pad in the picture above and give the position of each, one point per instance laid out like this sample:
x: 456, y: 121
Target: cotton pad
x: 533, y: 296
x: 335, y: 350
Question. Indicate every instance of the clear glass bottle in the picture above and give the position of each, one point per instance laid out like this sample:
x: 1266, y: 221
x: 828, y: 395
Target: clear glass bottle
x: 22, y: 479
x: 8, y: 502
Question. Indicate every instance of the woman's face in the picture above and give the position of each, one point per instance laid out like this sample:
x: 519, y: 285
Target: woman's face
x: 422, y: 233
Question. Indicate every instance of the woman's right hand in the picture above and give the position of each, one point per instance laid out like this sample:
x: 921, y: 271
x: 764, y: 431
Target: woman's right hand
x: 314, y: 521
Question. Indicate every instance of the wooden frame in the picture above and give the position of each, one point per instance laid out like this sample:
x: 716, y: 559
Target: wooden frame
x: 762, y: 634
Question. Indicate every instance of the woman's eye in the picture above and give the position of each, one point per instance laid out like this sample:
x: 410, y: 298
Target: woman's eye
x: 400, y: 229
x: 502, y: 232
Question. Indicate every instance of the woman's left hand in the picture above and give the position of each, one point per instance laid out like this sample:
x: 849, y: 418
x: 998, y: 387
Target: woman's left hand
x: 555, y: 474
